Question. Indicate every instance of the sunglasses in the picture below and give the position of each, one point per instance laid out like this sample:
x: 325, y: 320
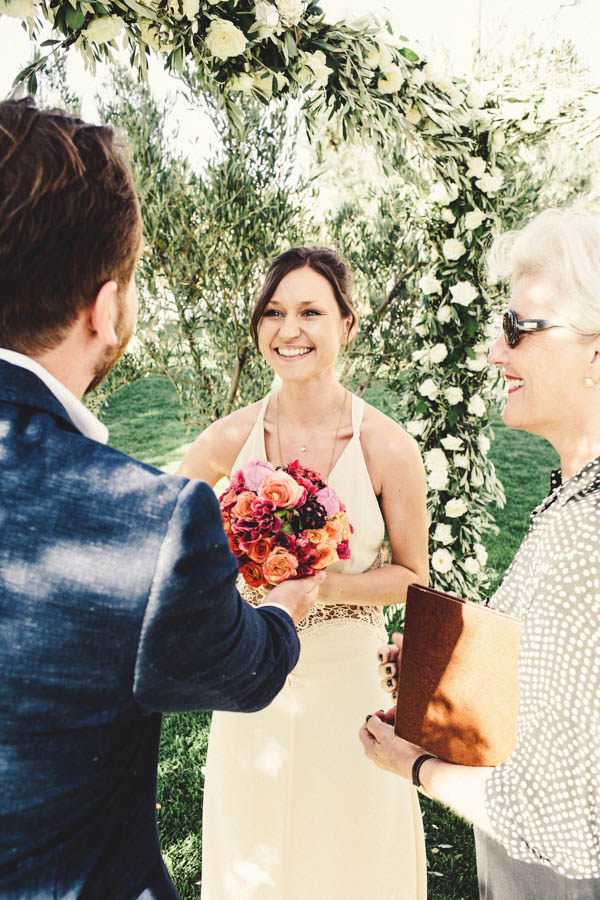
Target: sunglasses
x: 514, y: 327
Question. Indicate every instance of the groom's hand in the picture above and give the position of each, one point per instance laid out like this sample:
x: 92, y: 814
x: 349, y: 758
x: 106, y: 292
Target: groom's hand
x: 298, y: 596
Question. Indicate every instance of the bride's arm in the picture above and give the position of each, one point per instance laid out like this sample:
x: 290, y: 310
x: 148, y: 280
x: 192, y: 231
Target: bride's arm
x: 395, y: 466
x: 204, y: 459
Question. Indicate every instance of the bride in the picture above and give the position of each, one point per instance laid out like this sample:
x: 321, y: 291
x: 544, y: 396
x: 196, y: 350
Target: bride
x: 292, y: 809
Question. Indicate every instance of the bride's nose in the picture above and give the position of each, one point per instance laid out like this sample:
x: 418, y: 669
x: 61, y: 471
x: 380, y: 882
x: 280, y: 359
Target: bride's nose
x: 289, y: 328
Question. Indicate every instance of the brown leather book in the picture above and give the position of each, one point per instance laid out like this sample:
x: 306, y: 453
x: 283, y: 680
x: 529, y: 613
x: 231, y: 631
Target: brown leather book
x: 458, y: 691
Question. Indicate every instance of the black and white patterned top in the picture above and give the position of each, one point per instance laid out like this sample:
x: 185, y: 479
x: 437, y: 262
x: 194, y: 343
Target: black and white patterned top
x: 544, y: 802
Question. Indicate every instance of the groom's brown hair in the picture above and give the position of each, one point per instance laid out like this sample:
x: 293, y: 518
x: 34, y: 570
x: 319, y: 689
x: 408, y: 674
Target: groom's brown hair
x: 69, y: 221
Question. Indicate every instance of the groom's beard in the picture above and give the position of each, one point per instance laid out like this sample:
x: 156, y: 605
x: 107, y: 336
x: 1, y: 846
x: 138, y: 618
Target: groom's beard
x: 113, y: 355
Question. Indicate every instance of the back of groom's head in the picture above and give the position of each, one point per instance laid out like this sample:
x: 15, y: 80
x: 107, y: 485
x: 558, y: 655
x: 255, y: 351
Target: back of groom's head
x: 69, y: 222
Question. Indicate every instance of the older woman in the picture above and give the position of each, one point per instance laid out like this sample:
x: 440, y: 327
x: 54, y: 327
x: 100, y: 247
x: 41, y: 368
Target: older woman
x: 537, y: 816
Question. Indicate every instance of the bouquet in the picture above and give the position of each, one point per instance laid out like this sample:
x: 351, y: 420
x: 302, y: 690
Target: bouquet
x: 283, y: 522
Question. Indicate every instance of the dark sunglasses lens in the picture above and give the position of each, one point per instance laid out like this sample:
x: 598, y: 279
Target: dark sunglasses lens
x: 510, y: 327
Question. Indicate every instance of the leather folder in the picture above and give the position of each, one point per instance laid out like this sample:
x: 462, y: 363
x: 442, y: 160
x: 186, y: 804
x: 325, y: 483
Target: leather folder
x: 458, y: 691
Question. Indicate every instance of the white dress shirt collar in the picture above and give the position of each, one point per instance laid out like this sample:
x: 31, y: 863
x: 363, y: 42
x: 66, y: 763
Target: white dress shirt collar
x: 82, y: 418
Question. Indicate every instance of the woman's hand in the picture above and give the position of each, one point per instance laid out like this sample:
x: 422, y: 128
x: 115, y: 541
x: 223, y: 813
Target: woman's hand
x: 386, y: 749
x: 389, y: 665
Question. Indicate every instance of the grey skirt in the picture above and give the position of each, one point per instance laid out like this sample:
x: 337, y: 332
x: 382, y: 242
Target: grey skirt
x: 503, y: 878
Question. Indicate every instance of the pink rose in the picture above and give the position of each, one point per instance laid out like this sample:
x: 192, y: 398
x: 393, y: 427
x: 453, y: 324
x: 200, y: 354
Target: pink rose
x: 255, y: 473
x: 282, y: 489
x: 329, y: 499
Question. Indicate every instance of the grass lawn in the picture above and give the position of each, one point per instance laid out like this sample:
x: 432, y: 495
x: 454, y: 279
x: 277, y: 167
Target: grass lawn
x: 144, y: 421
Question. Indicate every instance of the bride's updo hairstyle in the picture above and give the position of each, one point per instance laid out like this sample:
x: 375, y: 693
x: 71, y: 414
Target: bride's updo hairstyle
x: 563, y: 246
x: 324, y: 260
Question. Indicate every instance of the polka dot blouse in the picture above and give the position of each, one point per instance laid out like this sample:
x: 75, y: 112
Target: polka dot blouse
x: 544, y: 802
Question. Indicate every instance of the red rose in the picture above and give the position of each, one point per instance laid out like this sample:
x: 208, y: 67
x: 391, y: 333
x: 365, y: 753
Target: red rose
x: 252, y: 574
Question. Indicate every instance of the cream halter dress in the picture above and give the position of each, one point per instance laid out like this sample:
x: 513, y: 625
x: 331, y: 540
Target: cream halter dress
x: 293, y: 809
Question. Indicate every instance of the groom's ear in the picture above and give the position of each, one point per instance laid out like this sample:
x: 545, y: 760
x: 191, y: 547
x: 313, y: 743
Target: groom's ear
x: 103, y: 314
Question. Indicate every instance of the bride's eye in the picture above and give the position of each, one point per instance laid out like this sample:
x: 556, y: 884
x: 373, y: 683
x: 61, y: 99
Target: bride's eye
x: 271, y: 312
x: 312, y: 312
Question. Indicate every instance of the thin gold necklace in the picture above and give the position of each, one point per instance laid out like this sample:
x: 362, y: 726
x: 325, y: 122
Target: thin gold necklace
x: 303, y: 449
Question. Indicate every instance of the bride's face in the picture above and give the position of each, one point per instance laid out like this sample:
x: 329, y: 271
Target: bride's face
x: 302, y: 329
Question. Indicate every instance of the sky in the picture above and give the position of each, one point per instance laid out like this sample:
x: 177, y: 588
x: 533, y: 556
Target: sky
x: 447, y: 29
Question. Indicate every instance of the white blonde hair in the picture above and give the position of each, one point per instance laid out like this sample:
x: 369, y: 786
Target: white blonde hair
x: 562, y: 245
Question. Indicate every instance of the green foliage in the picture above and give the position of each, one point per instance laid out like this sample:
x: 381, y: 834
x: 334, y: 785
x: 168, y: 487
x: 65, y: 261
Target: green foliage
x: 209, y: 238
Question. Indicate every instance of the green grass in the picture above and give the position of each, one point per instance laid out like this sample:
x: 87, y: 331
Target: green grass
x: 144, y: 421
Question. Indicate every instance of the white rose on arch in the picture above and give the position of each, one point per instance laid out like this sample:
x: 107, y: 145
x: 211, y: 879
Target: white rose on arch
x: 498, y: 141
x: 473, y: 219
x: 461, y: 461
x: 453, y: 395
x: 224, y: 40
x: 18, y: 9
x: 480, y: 553
x: 191, y: 8
x: 416, y: 427
x: 438, y: 353
x: 412, y: 116
x: 435, y: 460
x: 471, y: 565
x: 476, y: 167
x: 438, y: 480
x: 290, y: 10
x: 104, y: 29
x: 476, y: 406
x: 443, y: 194
x: 476, y: 97
x: 429, y: 389
x: 476, y: 365
x: 491, y: 182
x: 463, y: 293
x: 443, y: 533
x: 483, y: 442
x: 314, y: 69
x: 455, y: 508
x: 444, y: 314
x: 267, y: 17
x: 453, y: 249
x: 392, y: 80
x: 429, y: 284
x: 448, y: 216
x: 441, y: 561
x: 451, y: 442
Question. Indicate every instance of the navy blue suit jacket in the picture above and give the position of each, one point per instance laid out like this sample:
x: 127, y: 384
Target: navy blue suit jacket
x: 117, y: 602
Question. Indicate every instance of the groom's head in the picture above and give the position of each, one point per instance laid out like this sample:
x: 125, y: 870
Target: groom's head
x: 69, y: 223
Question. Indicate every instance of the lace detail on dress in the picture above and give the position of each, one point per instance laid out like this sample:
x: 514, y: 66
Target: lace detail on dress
x: 320, y: 614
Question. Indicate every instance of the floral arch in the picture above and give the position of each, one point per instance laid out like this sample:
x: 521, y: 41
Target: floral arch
x: 373, y: 85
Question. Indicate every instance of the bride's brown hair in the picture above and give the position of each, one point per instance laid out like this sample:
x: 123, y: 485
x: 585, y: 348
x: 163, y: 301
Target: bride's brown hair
x: 324, y: 260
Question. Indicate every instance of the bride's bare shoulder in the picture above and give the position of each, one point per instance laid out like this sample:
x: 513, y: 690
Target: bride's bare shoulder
x: 214, y: 451
x: 384, y: 439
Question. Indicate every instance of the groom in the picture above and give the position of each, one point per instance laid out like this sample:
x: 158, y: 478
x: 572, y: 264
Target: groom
x: 117, y: 587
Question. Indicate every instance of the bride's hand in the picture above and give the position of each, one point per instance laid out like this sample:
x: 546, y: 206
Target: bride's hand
x: 388, y: 656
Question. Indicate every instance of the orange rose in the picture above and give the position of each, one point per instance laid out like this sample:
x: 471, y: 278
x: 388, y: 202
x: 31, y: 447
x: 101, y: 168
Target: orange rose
x: 316, y: 535
x: 279, y: 566
x: 234, y: 543
x: 252, y: 574
x: 334, y: 530
x: 325, y: 555
x: 243, y: 506
x: 258, y: 550
x: 282, y: 489
x: 345, y: 524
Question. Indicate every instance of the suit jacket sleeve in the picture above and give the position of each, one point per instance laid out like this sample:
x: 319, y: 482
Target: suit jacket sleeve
x: 201, y: 645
